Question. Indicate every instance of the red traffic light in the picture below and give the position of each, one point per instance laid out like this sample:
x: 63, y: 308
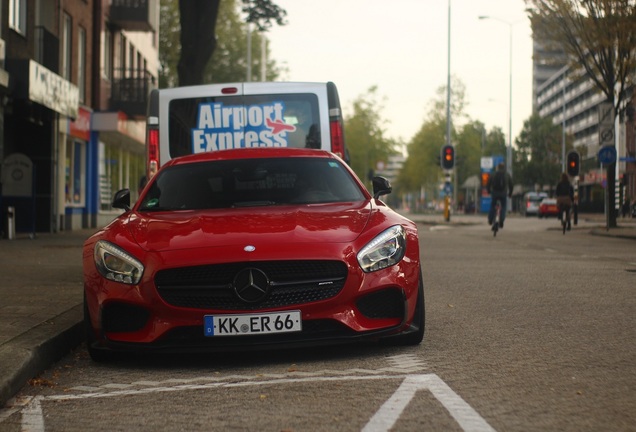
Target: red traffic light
x: 448, y: 157
x: 573, y: 163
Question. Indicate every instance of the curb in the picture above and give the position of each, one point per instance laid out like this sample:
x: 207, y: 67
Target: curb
x: 35, y: 351
x: 608, y: 233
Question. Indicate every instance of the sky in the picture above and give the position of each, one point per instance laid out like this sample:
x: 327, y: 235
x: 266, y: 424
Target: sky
x: 401, y: 47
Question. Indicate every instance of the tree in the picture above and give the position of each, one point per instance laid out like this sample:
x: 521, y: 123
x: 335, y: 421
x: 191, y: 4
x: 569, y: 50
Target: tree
x: 169, y: 48
x: 421, y: 171
x: 228, y: 63
x: 539, y: 152
x: 198, y: 21
x: 365, y: 135
x: 599, y: 37
x: 471, y: 146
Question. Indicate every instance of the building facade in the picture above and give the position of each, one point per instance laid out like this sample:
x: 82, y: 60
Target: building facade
x: 582, y: 110
x: 73, y: 95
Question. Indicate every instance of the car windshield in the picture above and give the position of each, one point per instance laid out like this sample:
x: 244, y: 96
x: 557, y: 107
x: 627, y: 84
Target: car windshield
x: 250, y: 182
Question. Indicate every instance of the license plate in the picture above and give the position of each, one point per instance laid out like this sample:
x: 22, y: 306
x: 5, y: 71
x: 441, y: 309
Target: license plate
x: 251, y: 324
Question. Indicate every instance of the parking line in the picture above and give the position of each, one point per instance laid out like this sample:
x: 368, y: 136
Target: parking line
x: 467, y: 418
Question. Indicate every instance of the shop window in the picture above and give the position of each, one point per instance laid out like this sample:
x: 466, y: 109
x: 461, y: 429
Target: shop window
x: 67, y: 38
x: 107, y: 55
x: 18, y: 15
x: 75, y: 179
x: 81, y: 64
x: 118, y: 169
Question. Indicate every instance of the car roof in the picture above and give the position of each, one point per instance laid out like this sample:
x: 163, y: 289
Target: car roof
x: 252, y: 153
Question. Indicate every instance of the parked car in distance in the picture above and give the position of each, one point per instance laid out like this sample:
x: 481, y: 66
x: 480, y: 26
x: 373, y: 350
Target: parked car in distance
x: 531, y: 201
x: 548, y: 207
x: 252, y: 249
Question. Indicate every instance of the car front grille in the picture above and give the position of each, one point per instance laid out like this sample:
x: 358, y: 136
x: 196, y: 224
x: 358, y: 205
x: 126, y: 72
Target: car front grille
x: 219, y: 286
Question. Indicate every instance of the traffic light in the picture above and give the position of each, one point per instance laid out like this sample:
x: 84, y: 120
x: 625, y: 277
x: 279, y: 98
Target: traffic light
x: 448, y: 157
x: 485, y: 178
x: 573, y: 163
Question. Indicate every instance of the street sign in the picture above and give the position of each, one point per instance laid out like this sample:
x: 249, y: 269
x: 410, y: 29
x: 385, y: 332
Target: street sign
x: 627, y: 159
x: 607, y: 155
x: 448, y: 188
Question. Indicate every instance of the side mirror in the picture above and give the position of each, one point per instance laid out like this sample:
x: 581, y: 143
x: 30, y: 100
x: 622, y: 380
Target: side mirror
x: 121, y: 200
x: 381, y: 186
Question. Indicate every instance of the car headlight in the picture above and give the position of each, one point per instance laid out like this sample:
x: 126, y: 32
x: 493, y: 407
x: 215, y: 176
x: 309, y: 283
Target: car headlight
x: 116, y: 264
x: 383, y: 251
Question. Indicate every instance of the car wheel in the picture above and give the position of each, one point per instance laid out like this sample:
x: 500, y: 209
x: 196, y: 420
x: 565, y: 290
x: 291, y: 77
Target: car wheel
x: 417, y: 334
x: 96, y: 354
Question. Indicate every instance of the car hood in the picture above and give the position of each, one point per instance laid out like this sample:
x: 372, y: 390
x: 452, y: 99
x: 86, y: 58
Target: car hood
x: 274, y: 225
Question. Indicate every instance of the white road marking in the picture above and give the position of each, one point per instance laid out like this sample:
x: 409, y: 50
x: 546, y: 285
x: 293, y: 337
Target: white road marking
x: 389, y: 413
x: 32, y: 418
x: 439, y: 228
x: 467, y: 418
x: 399, y: 364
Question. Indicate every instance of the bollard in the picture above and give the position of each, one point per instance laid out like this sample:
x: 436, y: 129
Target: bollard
x: 11, y: 223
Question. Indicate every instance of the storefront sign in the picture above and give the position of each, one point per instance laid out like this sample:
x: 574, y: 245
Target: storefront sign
x: 17, y: 176
x: 52, y: 91
x: 81, y: 126
x: 118, y: 122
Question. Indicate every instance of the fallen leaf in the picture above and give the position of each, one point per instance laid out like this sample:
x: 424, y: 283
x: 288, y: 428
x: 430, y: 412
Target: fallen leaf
x: 41, y: 382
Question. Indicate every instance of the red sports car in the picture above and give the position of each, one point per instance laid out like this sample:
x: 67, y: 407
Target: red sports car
x: 252, y: 248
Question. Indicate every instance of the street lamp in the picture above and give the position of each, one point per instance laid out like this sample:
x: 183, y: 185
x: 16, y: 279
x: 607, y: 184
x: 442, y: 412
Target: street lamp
x: 509, y: 148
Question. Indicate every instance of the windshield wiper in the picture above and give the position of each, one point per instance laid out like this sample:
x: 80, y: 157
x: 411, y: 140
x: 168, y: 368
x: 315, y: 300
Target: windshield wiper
x: 260, y: 203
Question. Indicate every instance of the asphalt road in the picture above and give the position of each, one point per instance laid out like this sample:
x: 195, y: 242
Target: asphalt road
x: 531, y: 330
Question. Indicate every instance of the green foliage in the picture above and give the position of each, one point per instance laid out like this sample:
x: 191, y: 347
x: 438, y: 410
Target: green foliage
x: 169, y: 45
x: 457, y: 102
x: 228, y: 59
x: 474, y: 142
x: 422, y: 169
x: 539, y: 152
x: 263, y: 12
x: 365, y: 135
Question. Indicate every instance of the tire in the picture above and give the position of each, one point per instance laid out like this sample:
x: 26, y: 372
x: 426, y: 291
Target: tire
x: 415, y: 337
x: 97, y: 355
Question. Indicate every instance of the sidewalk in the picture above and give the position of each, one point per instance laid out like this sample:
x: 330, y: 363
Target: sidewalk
x: 41, y: 295
x: 594, y: 223
x: 40, y: 304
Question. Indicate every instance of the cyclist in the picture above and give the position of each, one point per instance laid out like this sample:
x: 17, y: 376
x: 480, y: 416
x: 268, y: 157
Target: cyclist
x: 500, y: 188
x: 565, y: 198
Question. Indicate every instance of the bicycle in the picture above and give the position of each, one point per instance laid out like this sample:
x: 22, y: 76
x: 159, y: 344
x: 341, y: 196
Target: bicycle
x: 565, y: 219
x: 495, y: 222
